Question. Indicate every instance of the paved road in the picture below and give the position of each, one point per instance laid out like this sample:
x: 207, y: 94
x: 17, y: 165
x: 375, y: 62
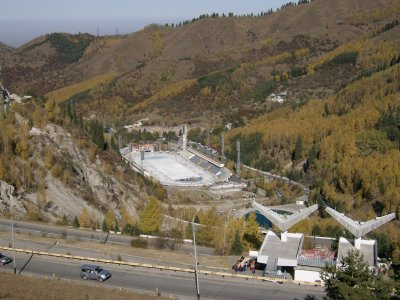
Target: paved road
x: 90, y: 235
x: 98, y: 252
x: 169, y: 283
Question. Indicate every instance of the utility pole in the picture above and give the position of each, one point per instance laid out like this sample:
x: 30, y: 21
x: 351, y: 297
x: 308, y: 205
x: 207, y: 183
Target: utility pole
x: 223, y: 251
x: 11, y: 190
x: 196, y: 276
x: 238, y: 158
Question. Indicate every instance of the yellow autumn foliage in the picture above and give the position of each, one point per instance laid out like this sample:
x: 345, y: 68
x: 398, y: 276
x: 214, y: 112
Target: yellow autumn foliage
x: 158, y: 42
x: 66, y: 92
x: 271, y: 60
x: 355, y: 46
x: 342, y: 127
x: 300, y: 53
x: 266, y: 42
x: 170, y: 90
x: 105, y: 42
x: 377, y: 14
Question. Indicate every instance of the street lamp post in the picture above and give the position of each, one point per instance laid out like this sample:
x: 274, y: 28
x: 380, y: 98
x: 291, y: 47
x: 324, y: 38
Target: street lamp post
x: 12, y: 229
x: 196, y: 276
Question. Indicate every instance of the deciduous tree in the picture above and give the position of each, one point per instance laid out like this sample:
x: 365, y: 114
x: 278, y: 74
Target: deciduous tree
x: 151, y: 216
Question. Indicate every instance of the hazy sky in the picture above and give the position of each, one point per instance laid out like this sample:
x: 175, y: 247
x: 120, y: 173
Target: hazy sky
x: 23, y: 20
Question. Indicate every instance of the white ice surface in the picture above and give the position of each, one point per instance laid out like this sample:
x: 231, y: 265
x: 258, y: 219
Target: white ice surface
x: 170, y: 167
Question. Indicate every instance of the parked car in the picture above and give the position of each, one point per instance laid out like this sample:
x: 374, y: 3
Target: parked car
x: 94, y: 272
x: 4, y: 259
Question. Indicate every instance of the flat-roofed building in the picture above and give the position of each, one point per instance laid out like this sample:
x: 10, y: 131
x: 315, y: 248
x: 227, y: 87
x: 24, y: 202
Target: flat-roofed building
x: 368, y: 248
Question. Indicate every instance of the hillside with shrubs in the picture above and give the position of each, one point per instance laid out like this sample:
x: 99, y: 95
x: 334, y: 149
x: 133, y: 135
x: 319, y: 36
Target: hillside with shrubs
x: 337, y: 63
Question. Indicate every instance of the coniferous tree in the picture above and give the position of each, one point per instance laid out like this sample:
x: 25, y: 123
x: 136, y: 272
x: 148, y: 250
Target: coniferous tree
x: 116, y: 227
x: 298, y: 150
x: 312, y: 156
x: 75, y: 223
x: 189, y: 231
x: 353, y: 279
x: 237, y: 245
x: 104, y: 226
x: 316, y: 231
x: 196, y: 219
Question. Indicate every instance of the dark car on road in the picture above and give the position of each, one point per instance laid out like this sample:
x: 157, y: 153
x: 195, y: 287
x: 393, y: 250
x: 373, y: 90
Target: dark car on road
x: 94, y: 272
x: 4, y: 259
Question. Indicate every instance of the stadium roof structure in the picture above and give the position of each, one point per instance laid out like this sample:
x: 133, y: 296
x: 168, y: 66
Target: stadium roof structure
x: 359, y: 229
x: 368, y: 248
x: 276, y: 252
x: 284, y: 222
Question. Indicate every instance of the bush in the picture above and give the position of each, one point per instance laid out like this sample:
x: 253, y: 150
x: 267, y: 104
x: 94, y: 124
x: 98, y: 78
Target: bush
x: 169, y: 239
x: 297, y: 71
x: 76, y: 223
x: 213, y: 79
x: 131, y: 230
x: 263, y: 90
x: 140, y: 243
x: 57, y: 170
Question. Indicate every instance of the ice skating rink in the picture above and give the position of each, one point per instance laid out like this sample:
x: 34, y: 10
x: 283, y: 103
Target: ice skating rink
x: 171, y: 168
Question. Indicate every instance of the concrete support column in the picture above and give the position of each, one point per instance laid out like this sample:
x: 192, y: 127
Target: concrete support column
x: 284, y: 236
x: 357, y: 243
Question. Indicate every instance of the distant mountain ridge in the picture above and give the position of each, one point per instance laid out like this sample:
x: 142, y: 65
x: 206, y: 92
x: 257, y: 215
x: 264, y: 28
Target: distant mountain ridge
x: 154, y: 60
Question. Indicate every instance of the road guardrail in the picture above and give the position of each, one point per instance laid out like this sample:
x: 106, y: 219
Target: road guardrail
x: 157, y: 267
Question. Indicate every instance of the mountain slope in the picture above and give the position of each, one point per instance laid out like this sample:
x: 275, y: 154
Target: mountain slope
x: 59, y: 174
x: 337, y: 60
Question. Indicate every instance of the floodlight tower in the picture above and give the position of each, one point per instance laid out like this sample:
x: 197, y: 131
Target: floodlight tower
x: 222, y: 146
x: 142, y: 159
x: 184, y: 137
x: 208, y: 137
x: 238, y: 158
x: 119, y: 141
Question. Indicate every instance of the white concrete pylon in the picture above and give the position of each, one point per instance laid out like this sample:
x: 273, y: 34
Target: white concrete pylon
x: 284, y: 222
x: 359, y: 229
x: 184, y: 137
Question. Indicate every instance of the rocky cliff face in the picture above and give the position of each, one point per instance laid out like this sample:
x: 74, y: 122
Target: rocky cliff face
x: 92, y: 188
